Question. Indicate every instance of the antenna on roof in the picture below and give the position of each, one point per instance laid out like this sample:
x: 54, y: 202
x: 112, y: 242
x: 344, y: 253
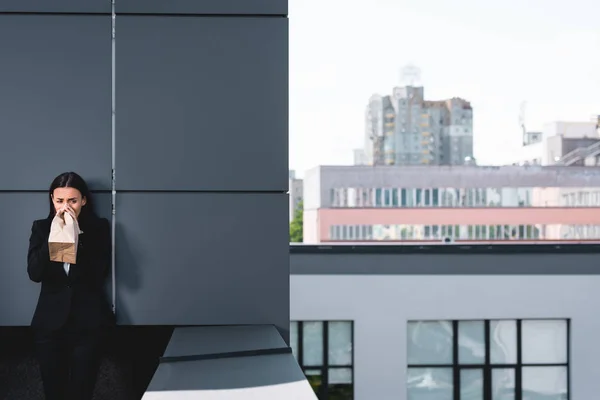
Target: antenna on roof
x: 410, y: 75
x: 522, y: 121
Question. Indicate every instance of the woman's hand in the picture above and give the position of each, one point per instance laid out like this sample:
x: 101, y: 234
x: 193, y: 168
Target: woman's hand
x: 60, y: 212
x: 70, y: 210
x: 66, y: 208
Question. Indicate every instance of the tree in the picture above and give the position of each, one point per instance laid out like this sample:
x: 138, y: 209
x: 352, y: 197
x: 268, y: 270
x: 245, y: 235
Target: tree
x: 296, y: 225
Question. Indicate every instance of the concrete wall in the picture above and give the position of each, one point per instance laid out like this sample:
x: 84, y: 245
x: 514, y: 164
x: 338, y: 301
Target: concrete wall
x: 382, y: 301
x: 319, y: 180
x: 200, y: 93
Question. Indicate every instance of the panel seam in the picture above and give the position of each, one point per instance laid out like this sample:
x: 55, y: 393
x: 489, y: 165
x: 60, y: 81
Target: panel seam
x: 233, y: 354
x: 113, y: 160
x: 201, y: 15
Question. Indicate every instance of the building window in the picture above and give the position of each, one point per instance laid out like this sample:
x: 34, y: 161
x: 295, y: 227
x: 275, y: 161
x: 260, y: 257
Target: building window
x: 488, y: 360
x: 324, y: 351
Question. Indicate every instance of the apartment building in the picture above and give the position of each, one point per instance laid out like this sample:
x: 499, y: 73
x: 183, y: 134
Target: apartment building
x: 453, y: 203
x: 405, y: 129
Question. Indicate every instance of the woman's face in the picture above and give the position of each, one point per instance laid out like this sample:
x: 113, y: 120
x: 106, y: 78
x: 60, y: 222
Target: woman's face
x: 68, y: 195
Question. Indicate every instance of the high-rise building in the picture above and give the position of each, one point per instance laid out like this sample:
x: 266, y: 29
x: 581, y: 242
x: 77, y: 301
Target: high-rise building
x: 405, y: 129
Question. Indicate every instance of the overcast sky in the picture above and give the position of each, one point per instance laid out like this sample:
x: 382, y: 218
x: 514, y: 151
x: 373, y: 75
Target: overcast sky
x: 495, y: 54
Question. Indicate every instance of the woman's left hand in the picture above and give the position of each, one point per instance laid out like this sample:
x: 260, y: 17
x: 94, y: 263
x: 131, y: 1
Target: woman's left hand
x: 71, y: 212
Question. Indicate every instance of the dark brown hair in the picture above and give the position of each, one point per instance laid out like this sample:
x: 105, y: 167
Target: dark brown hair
x: 72, y: 180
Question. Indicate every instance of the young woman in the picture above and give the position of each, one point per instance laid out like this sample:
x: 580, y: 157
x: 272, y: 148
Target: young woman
x: 73, y: 315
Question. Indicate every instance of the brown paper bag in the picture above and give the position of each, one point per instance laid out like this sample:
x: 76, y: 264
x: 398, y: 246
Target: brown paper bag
x: 63, y: 239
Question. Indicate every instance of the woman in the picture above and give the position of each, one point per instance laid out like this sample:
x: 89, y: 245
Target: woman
x: 72, y: 314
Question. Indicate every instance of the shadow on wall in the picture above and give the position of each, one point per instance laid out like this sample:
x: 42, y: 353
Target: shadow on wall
x: 131, y: 360
x: 132, y: 352
x: 129, y: 277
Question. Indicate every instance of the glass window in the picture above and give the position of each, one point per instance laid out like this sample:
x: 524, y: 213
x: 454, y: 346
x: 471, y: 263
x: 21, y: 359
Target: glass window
x: 544, y: 341
x: 463, y: 197
x: 430, y: 383
x: 488, y: 360
x: 324, y: 351
x: 471, y: 384
x: 339, y: 385
x: 503, y: 342
x: 294, y: 338
x: 378, y: 197
x: 340, y: 343
x: 503, y: 384
x: 545, y: 383
x: 387, y: 197
x: 410, y: 197
x: 430, y: 342
x: 312, y: 343
x: 471, y: 342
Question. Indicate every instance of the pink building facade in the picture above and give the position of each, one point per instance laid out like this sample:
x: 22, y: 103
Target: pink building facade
x: 396, y: 204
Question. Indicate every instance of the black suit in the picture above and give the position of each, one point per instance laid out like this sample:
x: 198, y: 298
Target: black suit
x: 72, y: 312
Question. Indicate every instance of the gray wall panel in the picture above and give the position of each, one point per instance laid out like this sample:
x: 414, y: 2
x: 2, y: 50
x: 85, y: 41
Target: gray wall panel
x: 55, y: 99
x: 211, y: 340
x: 204, y: 103
x: 56, y: 6
x: 247, y: 7
x: 444, y: 264
x: 202, y: 259
x: 265, y: 377
x: 18, y: 295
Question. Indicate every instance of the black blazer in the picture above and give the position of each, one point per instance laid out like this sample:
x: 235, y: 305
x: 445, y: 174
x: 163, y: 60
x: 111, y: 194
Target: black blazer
x: 80, y: 295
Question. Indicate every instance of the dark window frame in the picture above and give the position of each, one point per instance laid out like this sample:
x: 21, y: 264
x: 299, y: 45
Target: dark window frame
x: 325, y: 367
x: 487, y: 367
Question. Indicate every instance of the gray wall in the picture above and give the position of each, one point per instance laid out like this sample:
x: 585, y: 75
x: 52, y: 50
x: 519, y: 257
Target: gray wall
x: 201, y: 150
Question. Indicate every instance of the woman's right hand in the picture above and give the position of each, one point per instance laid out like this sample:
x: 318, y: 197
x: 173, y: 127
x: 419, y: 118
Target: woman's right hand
x: 66, y: 208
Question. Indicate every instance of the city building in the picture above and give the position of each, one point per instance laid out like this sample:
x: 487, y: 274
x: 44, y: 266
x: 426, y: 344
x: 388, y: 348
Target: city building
x: 562, y: 143
x: 452, y: 203
x: 446, y: 322
x: 295, y: 193
x: 405, y: 129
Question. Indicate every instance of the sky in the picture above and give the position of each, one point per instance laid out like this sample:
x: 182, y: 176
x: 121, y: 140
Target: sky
x: 496, y: 54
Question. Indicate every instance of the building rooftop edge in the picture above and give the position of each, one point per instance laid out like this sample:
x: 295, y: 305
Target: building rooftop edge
x: 447, y: 248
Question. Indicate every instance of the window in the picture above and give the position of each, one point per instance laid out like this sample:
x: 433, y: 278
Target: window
x: 488, y: 360
x: 324, y: 350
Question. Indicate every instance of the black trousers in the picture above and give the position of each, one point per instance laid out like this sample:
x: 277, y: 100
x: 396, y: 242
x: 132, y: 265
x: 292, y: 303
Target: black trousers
x: 69, y: 360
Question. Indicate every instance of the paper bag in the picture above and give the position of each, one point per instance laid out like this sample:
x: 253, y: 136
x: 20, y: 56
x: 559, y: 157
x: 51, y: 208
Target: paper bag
x: 63, y: 239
